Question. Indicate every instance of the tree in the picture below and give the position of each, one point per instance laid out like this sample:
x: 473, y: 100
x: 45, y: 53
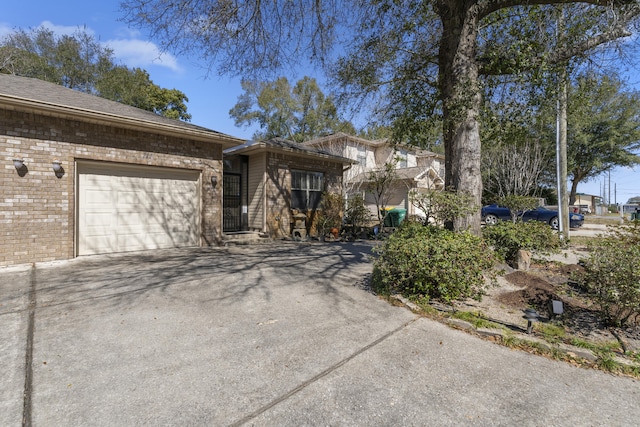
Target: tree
x: 134, y: 87
x: 513, y: 169
x: 518, y: 157
x: 425, y: 57
x: 603, y: 128
x: 74, y: 61
x: 379, y: 184
x: 80, y: 62
x: 468, y: 40
x: 299, y: 114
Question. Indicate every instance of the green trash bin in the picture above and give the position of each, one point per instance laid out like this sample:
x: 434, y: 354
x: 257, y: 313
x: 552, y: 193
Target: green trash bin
x: 394, y: 217
x: 402, y: 214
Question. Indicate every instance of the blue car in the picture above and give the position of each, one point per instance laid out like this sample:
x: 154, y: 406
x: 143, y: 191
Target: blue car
x: 491, y: 214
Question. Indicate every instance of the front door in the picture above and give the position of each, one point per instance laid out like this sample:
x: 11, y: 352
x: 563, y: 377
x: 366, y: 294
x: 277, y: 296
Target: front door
x: 232, y: 202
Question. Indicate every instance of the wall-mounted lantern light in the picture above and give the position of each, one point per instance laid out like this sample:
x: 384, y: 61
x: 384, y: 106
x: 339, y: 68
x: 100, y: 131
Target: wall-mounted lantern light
x: 18, y: 163
x: 214, y: 181
x: 56, y: 165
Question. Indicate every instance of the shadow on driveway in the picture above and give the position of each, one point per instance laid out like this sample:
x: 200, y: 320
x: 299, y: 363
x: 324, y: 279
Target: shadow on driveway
x: 279, y: 334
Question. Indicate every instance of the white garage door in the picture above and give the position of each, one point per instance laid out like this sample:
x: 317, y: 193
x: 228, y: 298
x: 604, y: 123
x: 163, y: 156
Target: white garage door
x: 129, y: 208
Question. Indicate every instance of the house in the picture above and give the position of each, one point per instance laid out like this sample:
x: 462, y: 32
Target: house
x: 415, y: 169
x: 84, y: 175
x: 268, y: 183
x: 587, y: 203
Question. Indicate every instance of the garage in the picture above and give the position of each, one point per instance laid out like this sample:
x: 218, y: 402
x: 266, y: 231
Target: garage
x: 125, y: 208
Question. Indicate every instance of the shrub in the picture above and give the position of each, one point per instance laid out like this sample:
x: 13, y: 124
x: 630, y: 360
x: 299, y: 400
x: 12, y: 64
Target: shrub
x: 518, y: 205
x: 442, y: 207
x: 330, y: 213
x: 611, y: 274
x: 357, y: 215
x: 433, y: 263
x: 507, y: 238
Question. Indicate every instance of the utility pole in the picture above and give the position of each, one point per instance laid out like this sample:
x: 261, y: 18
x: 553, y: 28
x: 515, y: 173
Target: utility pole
x: 561, y: 140
x: 609, y: 198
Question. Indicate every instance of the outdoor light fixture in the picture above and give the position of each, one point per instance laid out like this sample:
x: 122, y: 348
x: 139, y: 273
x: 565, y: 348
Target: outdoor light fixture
x: 214, y: 181
x: 18, y: 163
x: 556, y: 307
x: 532, y: 316
x: 57, y: 165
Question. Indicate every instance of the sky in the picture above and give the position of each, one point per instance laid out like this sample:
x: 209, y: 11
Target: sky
x: 210, y: 98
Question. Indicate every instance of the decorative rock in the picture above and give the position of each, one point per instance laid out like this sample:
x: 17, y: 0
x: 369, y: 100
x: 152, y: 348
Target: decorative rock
x: 461, y: 324
x: 523, y: 260
x: 490, y: 332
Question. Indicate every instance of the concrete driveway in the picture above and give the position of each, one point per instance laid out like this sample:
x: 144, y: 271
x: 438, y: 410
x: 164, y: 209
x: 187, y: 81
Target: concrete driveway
x: 270, y: 335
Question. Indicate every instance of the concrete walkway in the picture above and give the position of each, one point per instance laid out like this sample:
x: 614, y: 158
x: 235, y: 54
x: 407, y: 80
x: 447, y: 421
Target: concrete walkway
x: 270, y: 335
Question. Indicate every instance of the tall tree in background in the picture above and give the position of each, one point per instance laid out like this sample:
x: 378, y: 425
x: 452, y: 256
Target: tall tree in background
x: 74, y: 61
x: 603, y: 128
x: 423, y: 57
x: 80, y: 62
x: 517, y: 158
x: 433, y: 56
x: 299, y: 114
x: 135, y: 87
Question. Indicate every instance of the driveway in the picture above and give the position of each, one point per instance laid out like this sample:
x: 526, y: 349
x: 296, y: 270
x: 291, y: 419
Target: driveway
x: 269, y: 335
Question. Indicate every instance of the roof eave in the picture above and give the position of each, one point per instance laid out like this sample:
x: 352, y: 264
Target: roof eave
x: 63, y: 111
x: 263, y: 147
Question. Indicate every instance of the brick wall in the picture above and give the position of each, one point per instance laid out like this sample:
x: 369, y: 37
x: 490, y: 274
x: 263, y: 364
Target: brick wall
x: 37, y: 208
x: 278, y: 188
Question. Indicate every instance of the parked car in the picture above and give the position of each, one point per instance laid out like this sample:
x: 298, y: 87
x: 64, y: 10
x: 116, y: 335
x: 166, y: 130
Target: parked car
x: 491, y: 214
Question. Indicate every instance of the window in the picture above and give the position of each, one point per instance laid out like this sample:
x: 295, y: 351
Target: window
x: 306, y: 190
x: 402, y: 158
x: 362, y: 156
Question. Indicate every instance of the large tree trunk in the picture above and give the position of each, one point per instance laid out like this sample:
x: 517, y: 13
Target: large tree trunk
x: 574, y: 191
x: 461, y: 98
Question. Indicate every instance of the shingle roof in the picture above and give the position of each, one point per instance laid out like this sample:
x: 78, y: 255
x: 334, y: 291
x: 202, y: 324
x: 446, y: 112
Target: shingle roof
x: 341, y: 135
x: 281, y: 144
x: 403, y: 174
x: 55, y: 99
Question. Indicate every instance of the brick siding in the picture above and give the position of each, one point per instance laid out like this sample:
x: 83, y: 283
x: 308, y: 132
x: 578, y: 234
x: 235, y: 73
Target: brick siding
x: 37, y: 208
x: 278, y: 188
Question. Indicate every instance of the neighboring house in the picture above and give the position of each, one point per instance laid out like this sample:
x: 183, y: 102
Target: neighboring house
x: 587, y: 203
x: 416, y: 169
x: 84, y: 175
x: 266, y: 183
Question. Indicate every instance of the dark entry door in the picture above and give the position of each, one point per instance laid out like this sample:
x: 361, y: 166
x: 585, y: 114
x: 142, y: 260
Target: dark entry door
x: 231, y: 202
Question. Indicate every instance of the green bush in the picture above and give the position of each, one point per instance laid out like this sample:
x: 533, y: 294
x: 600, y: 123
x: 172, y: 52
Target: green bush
x: 441, y: 207
x: 612, y: 273
x: 518, y: 205
x: 507, y: 238
x: 434, y: 263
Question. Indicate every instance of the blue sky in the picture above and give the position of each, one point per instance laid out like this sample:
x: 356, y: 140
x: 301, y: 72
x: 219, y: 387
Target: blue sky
x: 210, y: 99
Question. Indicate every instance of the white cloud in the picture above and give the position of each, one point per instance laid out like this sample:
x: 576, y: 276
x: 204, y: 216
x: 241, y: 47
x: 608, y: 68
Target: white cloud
x: 6, y: 29
x: 128, y: 49
x: 67, y: 30
x: 140, y: 53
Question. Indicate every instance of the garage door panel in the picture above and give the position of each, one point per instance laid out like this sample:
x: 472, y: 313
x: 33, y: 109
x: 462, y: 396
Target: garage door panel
x: 124, y: 208
x: 98, y: 197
